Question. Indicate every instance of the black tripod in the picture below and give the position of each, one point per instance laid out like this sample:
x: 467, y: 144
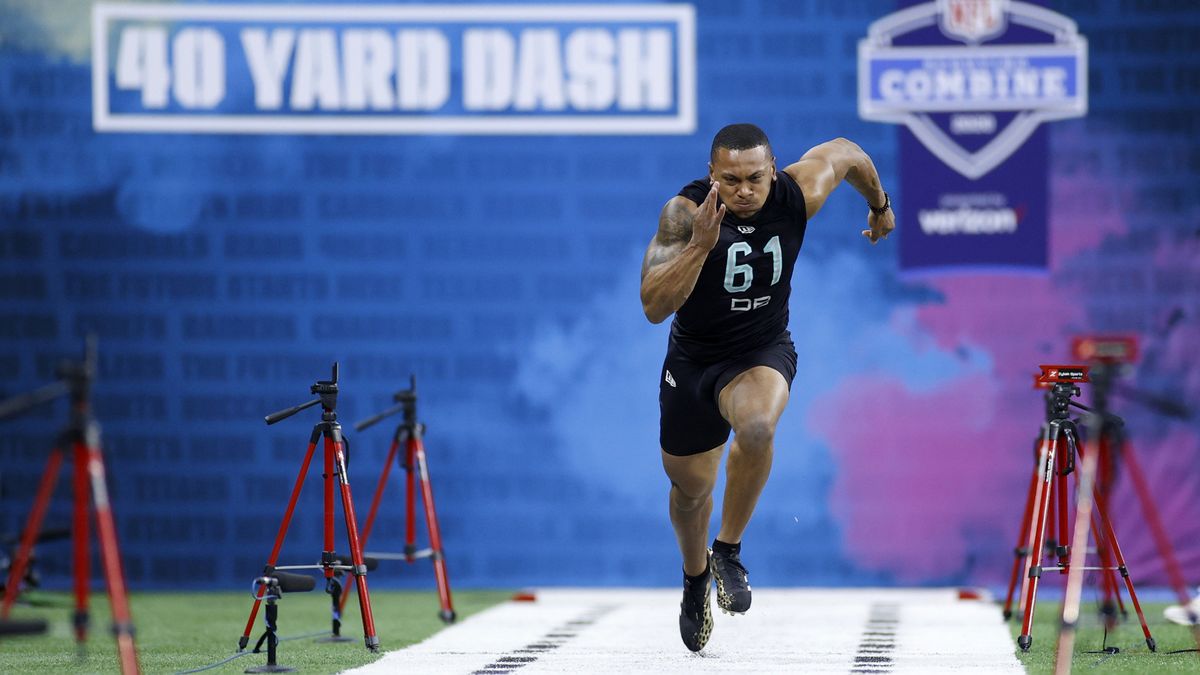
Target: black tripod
x: 409, y: 434
x: 271, y: 589
x: 90, y: 487
x: 335, y: 466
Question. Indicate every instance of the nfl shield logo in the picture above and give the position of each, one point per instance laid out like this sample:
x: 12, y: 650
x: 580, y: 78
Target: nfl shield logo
x: 973, y: 21
x: 938, y: 90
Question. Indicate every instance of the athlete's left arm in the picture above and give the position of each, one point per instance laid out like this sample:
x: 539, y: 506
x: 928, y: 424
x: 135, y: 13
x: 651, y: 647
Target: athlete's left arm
x: 825, y: 166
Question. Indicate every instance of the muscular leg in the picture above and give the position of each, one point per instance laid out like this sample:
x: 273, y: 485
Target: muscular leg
x: 752, y: 403
x: 692, y: 480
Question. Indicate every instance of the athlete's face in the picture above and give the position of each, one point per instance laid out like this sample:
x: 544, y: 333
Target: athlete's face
x: 745, y: 177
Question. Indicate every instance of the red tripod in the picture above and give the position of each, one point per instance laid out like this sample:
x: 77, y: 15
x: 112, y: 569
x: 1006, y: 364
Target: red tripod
x: 1108, y: 355
x: 335, y: 466
x: 1108, y: 583
x: 1056, y: 460
x: 82, y: 435
x: 409, y: 434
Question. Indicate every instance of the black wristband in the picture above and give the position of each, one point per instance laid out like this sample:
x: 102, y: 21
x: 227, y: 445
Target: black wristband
x: 887, y: 204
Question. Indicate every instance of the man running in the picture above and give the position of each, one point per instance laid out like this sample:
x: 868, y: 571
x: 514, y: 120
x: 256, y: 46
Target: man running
x: 722, y: 263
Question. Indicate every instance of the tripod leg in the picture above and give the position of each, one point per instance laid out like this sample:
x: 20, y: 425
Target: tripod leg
x: 328, y: 555
x: 1110, y: 592
x: 271, y: 638
x: 410, y: 494
x: 1052, y: 535
x: 1110, y: 587
x: 283, y: 528
x: 1061, y: 549
x: 1142, y: 489
x: 1174, y: 572
x: 33, y: 526
x: 1110, y: 596
x: 1041, y: 456
x: 417, y: 450
x: 1106, y: 469
x: 110, y: 556
x: 1047, y: 463
x: 333, y: 444
x: 1111, y: 537
x: 335, y: 595
x: 272, y: 633
x: 1020, y: 553
x: 80, y: 527
x: 375, y: 500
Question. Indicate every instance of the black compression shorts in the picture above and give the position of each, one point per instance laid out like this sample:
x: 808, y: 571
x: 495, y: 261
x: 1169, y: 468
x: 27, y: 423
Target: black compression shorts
x: 690, y: 421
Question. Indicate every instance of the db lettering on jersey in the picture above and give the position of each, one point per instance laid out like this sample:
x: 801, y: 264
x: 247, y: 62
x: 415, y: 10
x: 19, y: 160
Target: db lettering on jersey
x: 747, y: 304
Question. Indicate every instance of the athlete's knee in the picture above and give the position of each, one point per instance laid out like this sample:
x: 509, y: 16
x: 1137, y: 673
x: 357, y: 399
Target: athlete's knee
x: 755, y: 435
x: 692, y: 498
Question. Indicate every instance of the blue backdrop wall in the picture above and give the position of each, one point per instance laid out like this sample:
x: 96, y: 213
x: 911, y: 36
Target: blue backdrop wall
x: 224, y: 273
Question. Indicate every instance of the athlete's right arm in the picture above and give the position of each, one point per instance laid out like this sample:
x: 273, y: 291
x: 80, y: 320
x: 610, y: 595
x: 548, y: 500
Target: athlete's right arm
x: 686, y: 233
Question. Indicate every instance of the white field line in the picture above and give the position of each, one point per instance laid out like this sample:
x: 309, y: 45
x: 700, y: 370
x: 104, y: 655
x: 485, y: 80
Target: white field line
x: 786, y: 631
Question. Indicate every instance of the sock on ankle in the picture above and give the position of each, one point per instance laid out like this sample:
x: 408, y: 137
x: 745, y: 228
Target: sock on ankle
x: 721, y: 547
x: 698, y: 578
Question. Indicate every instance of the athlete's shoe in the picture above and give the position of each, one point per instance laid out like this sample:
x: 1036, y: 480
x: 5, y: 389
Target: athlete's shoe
x: 1184, y: 615
x: 695, y: 612
x: 733, y: 583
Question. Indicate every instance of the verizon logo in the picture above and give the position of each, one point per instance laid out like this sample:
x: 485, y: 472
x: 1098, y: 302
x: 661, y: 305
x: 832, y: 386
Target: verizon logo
x: 966, y: 220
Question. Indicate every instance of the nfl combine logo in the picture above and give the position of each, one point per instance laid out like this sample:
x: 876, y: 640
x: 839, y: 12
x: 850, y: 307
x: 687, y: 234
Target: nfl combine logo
x: 969, y: 81
x: 972, y: 21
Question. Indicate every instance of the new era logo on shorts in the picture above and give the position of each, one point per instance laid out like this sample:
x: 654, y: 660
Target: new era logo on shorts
x: 670, y: 379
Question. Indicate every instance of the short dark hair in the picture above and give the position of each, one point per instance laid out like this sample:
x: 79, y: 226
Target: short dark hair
x: 739, y: 137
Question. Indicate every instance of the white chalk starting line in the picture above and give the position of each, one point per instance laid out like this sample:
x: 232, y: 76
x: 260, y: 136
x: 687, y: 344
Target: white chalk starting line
x: 786, y: 631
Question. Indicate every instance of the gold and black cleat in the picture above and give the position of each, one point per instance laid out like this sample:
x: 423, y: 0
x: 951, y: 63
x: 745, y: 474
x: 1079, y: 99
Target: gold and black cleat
x: 733, y: 582
x: 695, y: 611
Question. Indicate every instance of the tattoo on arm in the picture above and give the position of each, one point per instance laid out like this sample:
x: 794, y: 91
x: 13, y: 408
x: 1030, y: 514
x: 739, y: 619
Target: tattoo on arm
x: 674, y: 232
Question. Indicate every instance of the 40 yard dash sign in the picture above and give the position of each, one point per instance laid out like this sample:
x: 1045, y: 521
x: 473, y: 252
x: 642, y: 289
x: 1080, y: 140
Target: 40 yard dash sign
x: 394, y: 69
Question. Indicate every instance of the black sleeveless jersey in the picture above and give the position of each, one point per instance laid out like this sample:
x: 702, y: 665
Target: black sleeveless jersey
x: 740, y: 301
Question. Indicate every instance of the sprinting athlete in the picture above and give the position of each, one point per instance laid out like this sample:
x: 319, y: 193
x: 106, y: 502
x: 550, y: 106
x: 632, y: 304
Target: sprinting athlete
x: 722, y: 262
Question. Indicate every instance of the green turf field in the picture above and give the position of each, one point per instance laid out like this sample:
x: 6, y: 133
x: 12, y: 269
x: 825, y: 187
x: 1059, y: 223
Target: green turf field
x: 182, y: 631
x: 1134, y: 658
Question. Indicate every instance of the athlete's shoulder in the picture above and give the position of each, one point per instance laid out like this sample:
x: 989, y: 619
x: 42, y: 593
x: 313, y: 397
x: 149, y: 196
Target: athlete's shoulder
x: 789, y: 195
x: 696, y: 190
